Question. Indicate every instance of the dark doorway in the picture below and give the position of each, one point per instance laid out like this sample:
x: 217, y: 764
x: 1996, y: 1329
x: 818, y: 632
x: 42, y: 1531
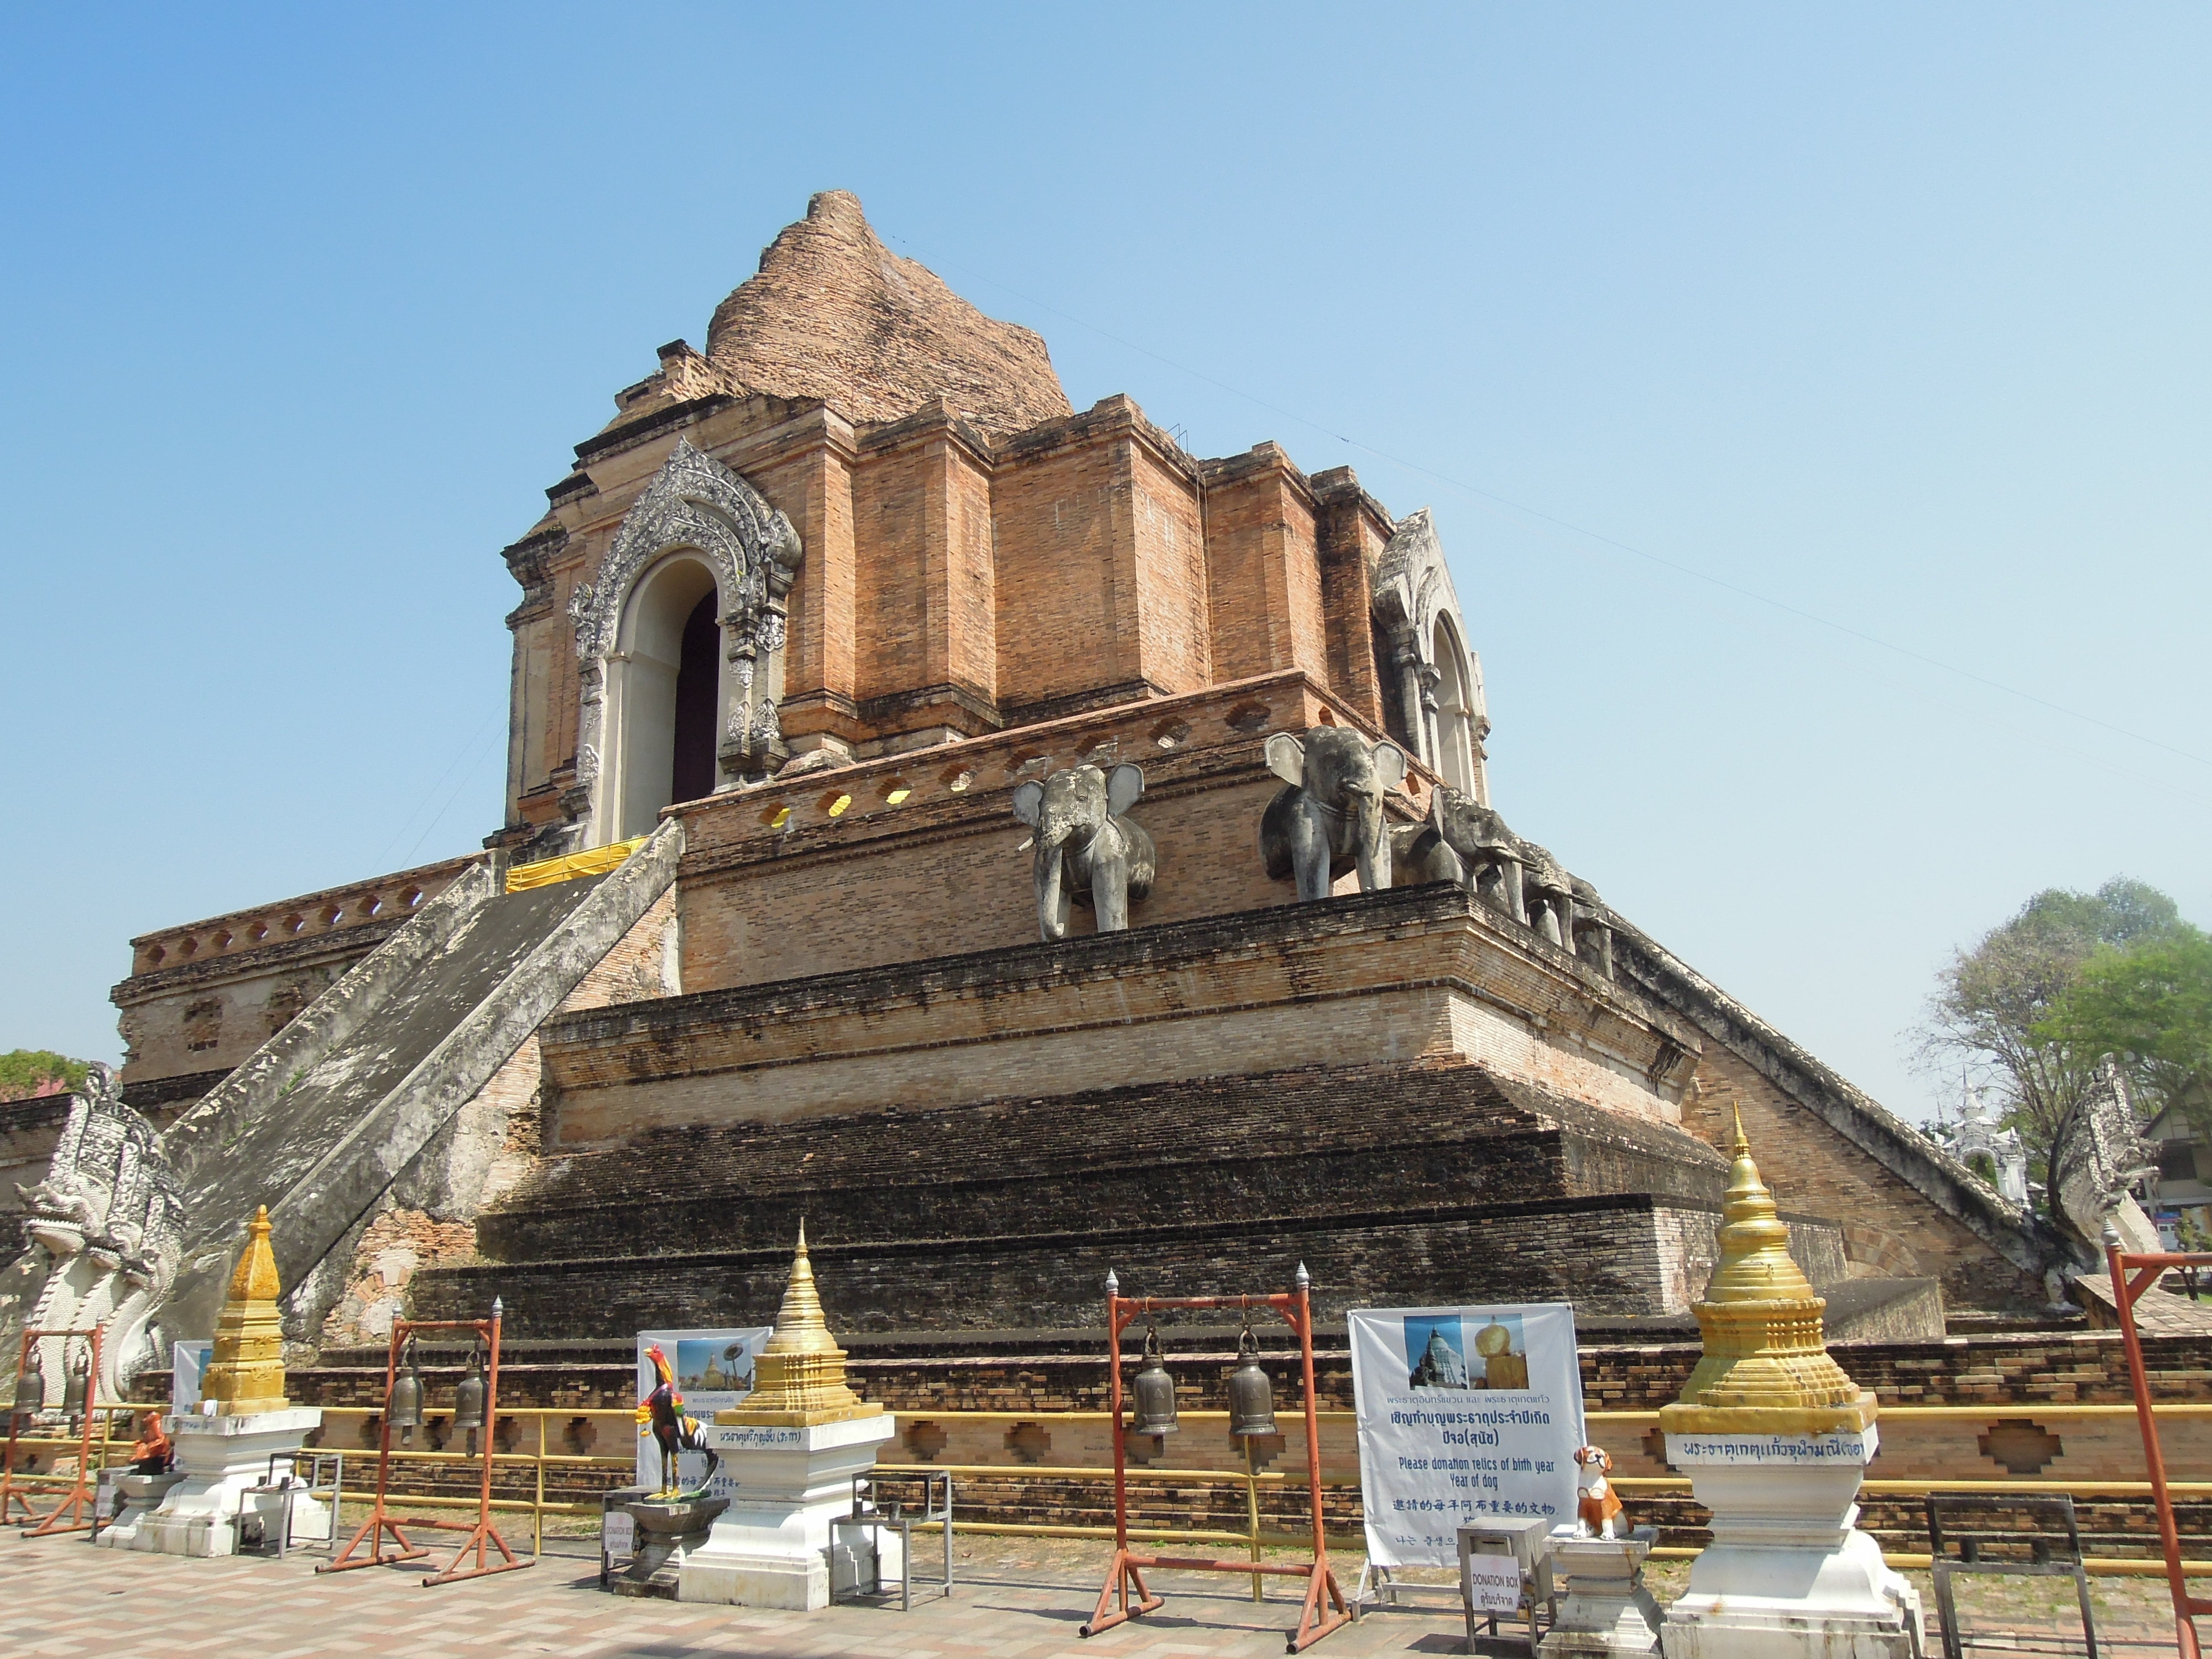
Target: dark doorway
x: 698, y: 687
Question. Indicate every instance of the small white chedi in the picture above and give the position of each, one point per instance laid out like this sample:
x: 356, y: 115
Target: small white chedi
x: 793, y: 1446
x: 1776, y: 1439
x: 223, y: 1449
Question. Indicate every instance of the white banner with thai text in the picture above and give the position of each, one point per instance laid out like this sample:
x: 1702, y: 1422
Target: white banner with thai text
x: 1465, y: 1414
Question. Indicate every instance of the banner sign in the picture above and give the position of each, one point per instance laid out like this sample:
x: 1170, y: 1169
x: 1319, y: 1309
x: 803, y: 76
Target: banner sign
x: 1464, y: 1413
x: 713, y: 1371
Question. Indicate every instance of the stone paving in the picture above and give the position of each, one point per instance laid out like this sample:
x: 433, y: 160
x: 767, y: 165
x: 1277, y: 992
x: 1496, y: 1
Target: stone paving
x: 1018, y: 1599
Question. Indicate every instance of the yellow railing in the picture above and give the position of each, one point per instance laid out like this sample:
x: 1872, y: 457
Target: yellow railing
x: 1254, y: 1537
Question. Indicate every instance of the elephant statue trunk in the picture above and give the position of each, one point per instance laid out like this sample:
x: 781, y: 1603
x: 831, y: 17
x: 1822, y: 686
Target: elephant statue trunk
x: 1086, y: 849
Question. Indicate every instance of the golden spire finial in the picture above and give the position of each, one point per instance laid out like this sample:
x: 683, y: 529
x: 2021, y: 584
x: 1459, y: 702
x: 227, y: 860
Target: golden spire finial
x: 245, y: 1373
x: 1742, y: 1140
x: 800, y: 1326
x: 800, y: 1377
x: 1765, y: 1349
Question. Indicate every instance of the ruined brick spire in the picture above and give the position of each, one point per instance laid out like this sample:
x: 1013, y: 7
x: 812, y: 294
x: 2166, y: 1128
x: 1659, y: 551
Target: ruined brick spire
x: 834, y: 314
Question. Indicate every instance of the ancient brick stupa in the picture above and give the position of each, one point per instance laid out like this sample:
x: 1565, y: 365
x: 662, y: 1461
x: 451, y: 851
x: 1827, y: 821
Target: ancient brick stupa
x: 223, y: 1448
x: 1775, y: 1438
x: 793, y: 1448
x: 893, y: 755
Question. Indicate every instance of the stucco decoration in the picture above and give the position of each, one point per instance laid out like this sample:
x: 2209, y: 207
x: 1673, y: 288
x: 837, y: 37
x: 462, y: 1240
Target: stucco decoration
x: 1433, y: 681
x: 696, y: 502
x: 101, y: 1235
x: 2097, y: 1155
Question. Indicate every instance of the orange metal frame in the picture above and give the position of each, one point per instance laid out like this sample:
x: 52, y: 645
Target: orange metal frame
x: 483, y: 1535
x: 77, y: 1502
x: 2133, y: 1274
x: 1325, y: 1608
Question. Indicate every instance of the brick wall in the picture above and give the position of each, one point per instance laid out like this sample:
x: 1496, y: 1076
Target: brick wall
x: 1317, y: 1141
x: 1265, y: 566
x: 1373, y: 978
x: 1069, y: 565
x: 1890, y: 1229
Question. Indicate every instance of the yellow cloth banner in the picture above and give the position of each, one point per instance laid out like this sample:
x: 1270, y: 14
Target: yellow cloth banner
x: 546, y: 872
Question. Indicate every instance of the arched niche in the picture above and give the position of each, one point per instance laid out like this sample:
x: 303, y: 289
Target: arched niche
x: 1431, y: 683
x: 697, y: 536
x: 1459, y: 707
x: 649, y: 747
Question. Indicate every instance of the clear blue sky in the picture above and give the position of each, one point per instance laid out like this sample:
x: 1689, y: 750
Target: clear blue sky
x: 1893, y: 316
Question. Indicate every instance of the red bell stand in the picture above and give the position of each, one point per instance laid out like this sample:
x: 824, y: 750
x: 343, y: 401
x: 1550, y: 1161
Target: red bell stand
x: 2133, y: 1274
x: 483, y: 1536
x: 1325, y: 1609
x: 77, y: 1502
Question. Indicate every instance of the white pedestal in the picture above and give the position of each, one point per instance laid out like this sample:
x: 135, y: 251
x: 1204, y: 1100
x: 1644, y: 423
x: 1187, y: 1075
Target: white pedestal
x: 1606, y: 1609
x: 773, y: 1547
x: 1788, y: 1574
x: 219, y: 1457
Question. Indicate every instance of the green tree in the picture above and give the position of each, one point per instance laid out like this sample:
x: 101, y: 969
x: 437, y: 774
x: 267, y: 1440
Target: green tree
x: 2152, y: 1006
x: 1985, y: 1020
x: 24, y: 1071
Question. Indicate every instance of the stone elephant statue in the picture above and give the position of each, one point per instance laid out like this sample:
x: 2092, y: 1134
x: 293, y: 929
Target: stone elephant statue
x: 1086, y: 847
x: 1490, y: 852
x: 1329, y: 819
x: 1420, y: 853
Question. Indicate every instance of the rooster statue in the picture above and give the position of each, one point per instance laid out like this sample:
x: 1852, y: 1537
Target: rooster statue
x: 662, y: 1411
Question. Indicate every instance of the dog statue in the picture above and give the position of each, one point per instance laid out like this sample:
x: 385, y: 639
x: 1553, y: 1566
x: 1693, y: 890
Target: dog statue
x: 1597, y: 1506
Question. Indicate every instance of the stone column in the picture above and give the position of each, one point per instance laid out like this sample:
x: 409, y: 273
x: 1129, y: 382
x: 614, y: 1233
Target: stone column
x: 1776, y: 1439
x: 1405, y: 654
x: 1430, y: 728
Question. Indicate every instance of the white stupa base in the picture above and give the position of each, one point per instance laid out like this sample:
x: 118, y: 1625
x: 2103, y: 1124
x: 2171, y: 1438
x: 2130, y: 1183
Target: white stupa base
x: 1606, y: 1609
x: 773, y: 1547
x: 219, y: 1457
x: 1788, y: 1574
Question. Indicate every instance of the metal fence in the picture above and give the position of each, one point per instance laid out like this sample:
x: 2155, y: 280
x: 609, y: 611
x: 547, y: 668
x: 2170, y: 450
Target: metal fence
x: 552, y: 1424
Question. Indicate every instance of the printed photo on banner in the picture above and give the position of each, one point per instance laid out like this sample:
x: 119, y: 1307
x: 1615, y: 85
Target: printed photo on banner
x: 713, y: 1371
x: 1451, y: 1352
x: 1465, y: 1414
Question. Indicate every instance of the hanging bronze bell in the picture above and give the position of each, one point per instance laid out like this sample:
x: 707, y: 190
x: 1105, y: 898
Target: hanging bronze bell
x: 1153, y: 1391
x: 469, y: 1396
x: 1251, y: 1396
x: 76, y: 1388
x: 31, y: 1390
x: 404, y: 1410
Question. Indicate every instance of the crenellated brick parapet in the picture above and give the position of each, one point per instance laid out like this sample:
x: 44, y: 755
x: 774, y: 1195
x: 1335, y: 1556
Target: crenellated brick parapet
x: 381, y: 900
x: 203, y: 996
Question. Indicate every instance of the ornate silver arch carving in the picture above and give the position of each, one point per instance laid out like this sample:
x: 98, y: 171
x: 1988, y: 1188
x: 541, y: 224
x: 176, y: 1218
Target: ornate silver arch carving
x: 694, y: 502
x: 1412, y: 590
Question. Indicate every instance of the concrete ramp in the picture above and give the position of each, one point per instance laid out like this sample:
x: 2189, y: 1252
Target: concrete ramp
x: 329, y: 1112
